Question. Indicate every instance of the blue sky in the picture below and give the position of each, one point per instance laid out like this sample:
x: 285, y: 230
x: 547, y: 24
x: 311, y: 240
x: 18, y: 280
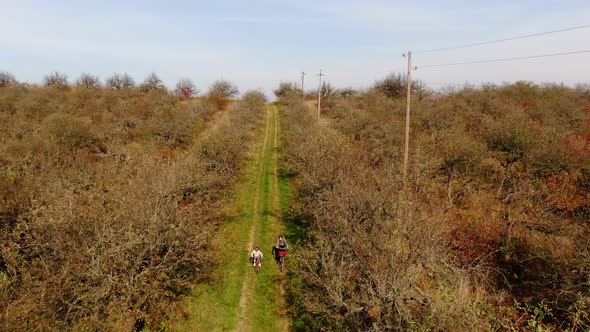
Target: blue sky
x: 259, y: 43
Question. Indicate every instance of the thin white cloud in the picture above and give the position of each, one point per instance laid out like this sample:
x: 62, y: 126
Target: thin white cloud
x: 388, y: 16
x: 70, y: 47
x: 354, y: 41
x: 117, y: 36
x: 271, y: 20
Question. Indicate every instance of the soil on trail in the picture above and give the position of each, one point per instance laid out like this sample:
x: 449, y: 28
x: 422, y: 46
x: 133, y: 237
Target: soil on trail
x: 235, y: 297
x: 218, y: 118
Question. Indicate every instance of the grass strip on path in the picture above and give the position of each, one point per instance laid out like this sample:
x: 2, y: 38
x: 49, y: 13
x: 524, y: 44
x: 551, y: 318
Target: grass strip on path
x: 235, y: 298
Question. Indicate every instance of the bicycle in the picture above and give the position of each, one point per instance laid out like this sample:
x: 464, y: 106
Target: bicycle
x: 282, y: 254
x: 256, y: 264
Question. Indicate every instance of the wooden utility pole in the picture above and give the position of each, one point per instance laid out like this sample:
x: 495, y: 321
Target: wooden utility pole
x: 320, y: 94
x: 302, y: 80
x: 408, y: 102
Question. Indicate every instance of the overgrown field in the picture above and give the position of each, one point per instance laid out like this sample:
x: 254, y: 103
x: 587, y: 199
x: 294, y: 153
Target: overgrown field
x: 108, y: 201
x: 491, y: 230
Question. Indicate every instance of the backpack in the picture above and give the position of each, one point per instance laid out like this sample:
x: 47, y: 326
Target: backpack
x: 282, y: 244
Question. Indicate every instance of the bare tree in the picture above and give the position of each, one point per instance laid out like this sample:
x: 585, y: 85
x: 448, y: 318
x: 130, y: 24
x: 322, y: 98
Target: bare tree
x: 88, y: 81
x: 6, y: 79
x: 392, y: 86
x: 221, y: 91
x: 395, y: 86
x: 151, y: 82
x: 186, y: 88
x: 120, y: 81
x: 225, y: 89
x: 286, y: 89
x: 327, y: 90
x: 55, y: 79
x: 347, y: 92
x: 253, y: 100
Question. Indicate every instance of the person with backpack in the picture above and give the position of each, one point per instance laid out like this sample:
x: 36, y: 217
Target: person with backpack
x: 282, y: 243
x: 280, y: 251
x: 275, y: 252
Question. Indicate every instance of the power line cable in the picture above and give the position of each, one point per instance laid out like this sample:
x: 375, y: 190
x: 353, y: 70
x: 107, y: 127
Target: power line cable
x: 503, y: 40
x: 500, y: 85
x: 503, y: 59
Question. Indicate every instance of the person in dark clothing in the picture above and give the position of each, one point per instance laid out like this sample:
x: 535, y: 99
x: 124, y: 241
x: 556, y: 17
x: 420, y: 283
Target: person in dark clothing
x: 275, y: 252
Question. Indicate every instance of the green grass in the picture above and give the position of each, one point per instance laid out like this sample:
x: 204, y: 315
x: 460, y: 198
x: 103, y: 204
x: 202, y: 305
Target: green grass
x: 215, y: 303
x: 267, y: 306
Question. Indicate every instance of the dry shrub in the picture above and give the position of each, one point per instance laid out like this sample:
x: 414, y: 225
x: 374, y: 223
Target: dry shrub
x: 392, y: 86
x: 23, y: 150
x: 569, y: 193
x: 9, y: 98
x: 498, y: 186
x: 221, y: 92
x: 67, y: 131
x: 6, y: 79
x: 186, y: 88
x: 372, y: 259
x: 174, y: 126
x: 253, y: 100
x: 104, y: 236
x: 88, y: 81
x: 38, y: 102
x: 151, y: 83
x: 56, y: 79
x: 395, y: 86
x: 120, y: 82
x: 287, y: 89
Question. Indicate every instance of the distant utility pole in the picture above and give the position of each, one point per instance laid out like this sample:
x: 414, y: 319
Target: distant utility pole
x: 302, y: 80
x: 320, y: 94
x: 407, y: 148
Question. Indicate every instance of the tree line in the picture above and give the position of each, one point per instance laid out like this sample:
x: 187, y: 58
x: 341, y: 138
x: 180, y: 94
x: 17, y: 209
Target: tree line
x: 109, y: 200
x: 489, y: 231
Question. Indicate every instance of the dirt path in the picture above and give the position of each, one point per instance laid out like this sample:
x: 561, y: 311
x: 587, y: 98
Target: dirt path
x: 235, y: 298
x: 243, y: 321
x: 218, y: 118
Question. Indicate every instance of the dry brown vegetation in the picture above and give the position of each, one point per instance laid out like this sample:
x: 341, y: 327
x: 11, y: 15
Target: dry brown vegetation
x: 492, y: 232
x: 108, y: 199
x: 221, y: 92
